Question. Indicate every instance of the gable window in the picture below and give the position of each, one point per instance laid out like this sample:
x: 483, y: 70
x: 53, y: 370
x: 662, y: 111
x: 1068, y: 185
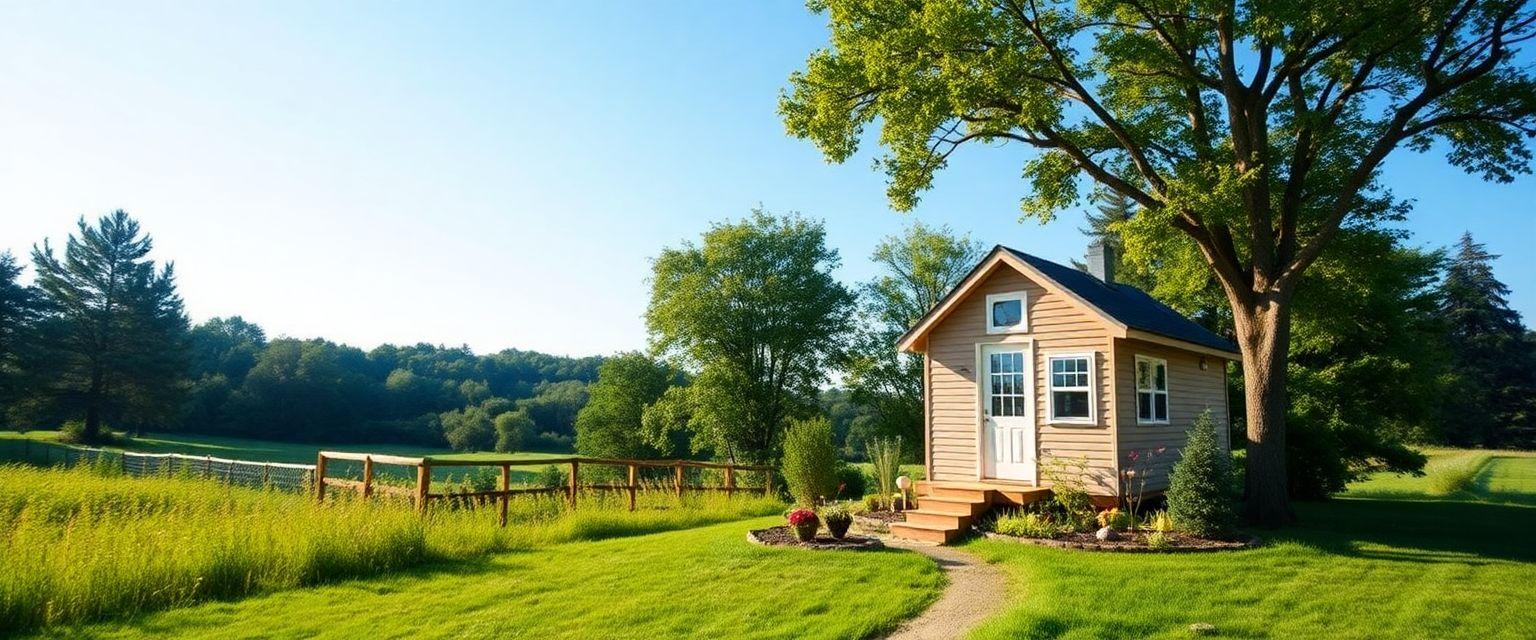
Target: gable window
x: 1071, y: 387
x: 1151, y: 390
x: 1005, y: 313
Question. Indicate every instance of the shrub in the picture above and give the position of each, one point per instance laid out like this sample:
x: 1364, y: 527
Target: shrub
x: 851, y: 483
x: 885, y: 462
x: 1160, y: 522
x: 1199, y: 498
x: 1158, y: 541
x: 1069, y: 492
x: 1027, y: 525
x: 551, y: 477
x: 810, y: 460
x: 513, y: 428
x: 1116, y: 519
x: 834, y: 514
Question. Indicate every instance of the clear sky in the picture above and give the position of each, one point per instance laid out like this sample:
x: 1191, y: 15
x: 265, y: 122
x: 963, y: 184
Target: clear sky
x: 493, y: 174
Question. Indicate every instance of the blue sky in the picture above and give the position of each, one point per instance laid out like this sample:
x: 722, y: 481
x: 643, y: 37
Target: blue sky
x: 491, y: 174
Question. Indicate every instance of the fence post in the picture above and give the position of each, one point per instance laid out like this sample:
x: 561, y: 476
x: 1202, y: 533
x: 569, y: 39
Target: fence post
x: 768, y: 482
x: 506, y: 486
x: 320, y: 477
x: 677, y: 478
x: 634, y: 474
x: 266, y: 474
x: 207, y: 466
x: 575, y: 472
x: 423, y: 485
x: 367, y: 476
x: 730, y: 481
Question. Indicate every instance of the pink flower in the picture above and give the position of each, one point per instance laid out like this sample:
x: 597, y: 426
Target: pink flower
x: 802, y: 516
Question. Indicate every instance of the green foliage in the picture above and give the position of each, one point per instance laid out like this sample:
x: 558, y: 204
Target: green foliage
x: 852, y: 484
x: 611, y: 425
x: 1245, y: 173
x: 1457, y: 475
x: 513, y: 428
x: 755, y: 312
x: 1028, y: 525
x: 835, y: 514
x: 885, y: 463
x: 552, y: 477
x: 1069, y: 492
x: 916, y: 269
x: 1158, y: 541
x: 1491, y: 400
x: 1199, y: 496
x: 112, y: 336
x: 810, y: 465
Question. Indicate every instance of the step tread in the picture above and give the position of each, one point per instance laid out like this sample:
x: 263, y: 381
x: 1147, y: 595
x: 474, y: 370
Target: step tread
x: 952, y: 499
x: 924, y: 527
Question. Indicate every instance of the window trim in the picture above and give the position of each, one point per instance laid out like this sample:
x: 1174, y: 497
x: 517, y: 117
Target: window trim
x: 1022, y: 297
x: 1092, y: 389
x: 1167, y: 402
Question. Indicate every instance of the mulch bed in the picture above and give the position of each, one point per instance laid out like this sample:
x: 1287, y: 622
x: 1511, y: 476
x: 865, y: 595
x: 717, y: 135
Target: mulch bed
x: 878, y: 521
x: 1132, y: 543
x: 782, y: 536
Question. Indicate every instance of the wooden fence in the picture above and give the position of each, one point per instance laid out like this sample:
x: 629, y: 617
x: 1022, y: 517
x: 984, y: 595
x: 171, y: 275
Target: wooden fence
x: 421, y: 495
x: 247, y: 473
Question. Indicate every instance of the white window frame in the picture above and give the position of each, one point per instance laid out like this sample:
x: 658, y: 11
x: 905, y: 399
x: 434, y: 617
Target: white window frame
x: 1093, y: 391
x: 1023, y: 298
x: 1167, y: 400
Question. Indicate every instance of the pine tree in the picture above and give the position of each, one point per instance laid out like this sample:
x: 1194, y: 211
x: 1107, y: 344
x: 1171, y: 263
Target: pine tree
x: 113, y: 334
x: 1492, y: 363
x: 18, y: 307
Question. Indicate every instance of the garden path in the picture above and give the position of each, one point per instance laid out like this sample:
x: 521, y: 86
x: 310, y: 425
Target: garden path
x: 976, y: 590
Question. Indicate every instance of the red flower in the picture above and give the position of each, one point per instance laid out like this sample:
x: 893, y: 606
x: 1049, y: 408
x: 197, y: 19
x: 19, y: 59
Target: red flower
x: 802, y: 516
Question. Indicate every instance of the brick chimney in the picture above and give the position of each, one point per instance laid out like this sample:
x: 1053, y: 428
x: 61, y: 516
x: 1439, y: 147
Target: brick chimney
x: 1101, y: 261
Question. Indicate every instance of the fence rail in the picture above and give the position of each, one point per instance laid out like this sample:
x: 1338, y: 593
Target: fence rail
x: 246, y: 473
x: 422, y: 494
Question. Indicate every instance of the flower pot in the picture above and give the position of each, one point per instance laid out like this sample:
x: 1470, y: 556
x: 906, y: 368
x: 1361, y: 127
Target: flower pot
x: 806, y: 532
x: 839, y: 529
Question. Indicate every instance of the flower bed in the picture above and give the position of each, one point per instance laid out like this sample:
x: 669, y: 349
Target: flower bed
x: 1131, y: 543
x: 784, y: 536
x: 877, y: 521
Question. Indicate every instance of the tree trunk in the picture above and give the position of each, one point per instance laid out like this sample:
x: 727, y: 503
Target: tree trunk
x: 1263, y: 333
x: 91, y: 434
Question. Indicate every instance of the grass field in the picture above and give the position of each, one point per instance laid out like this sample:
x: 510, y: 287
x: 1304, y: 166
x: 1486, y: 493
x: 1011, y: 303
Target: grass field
x: 1395, y: 557
x: 79, y: 545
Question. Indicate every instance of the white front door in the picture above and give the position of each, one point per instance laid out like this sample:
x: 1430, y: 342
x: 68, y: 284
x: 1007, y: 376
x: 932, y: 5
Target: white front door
x: 1008, y: 408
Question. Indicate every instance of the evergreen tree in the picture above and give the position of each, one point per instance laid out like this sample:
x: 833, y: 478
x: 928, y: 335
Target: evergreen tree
x: 1492, y: 364
x: 18, y: 307
x: 113, y: 335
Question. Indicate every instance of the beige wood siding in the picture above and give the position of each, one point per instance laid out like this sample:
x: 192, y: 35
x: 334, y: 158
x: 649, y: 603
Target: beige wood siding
x: 1190, y: 391
x: 1056, y: 324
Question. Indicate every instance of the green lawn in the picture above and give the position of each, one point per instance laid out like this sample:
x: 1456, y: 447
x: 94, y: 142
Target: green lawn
x: 1390, y: 559
x: 702, y: 583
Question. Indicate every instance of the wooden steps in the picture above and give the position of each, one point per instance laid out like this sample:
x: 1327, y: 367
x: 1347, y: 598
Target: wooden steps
x: 947, y: 509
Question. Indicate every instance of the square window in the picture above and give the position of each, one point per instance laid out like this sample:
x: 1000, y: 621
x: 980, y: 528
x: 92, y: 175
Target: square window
x: 1006, y: 313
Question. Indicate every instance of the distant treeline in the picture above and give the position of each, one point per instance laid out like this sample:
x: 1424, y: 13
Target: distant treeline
x: 286, y: 389
x: 100, y: 341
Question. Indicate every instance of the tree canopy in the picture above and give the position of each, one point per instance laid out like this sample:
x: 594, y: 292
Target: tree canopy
x: 756, y: 315
x: 1250, y: 133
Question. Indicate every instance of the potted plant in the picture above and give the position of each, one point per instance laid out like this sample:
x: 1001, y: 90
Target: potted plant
x: 838, y: 520
x: 805, y: 524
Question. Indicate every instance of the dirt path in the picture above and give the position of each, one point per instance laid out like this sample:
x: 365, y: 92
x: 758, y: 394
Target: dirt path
x: 976, y: 591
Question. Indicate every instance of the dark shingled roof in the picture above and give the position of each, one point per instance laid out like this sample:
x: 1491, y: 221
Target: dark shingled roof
x: 1127, y: 304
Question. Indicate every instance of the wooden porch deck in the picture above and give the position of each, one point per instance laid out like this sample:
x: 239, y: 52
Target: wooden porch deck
x: 947, y: 509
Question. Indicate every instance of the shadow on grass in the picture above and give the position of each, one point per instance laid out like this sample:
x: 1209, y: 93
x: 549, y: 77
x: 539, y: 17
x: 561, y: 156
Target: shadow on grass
x: 1417, y: 531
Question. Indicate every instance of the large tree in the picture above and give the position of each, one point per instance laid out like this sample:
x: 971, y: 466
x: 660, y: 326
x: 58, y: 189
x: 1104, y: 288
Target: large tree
x: 1256, y: 130
x: 916, y: 269
x: 755, y: 313
x: 1493, y: 365
x: 113, y: 337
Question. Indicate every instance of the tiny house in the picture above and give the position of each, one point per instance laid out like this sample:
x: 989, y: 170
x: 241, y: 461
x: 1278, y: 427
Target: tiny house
x: 1030, y: 365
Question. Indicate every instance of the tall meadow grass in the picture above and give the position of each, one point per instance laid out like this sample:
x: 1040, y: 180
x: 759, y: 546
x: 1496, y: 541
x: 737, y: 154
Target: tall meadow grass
x: 81, y: 545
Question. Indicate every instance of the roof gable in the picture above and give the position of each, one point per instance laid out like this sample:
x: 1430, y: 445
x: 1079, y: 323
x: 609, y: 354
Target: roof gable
x: 1119, y: 305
